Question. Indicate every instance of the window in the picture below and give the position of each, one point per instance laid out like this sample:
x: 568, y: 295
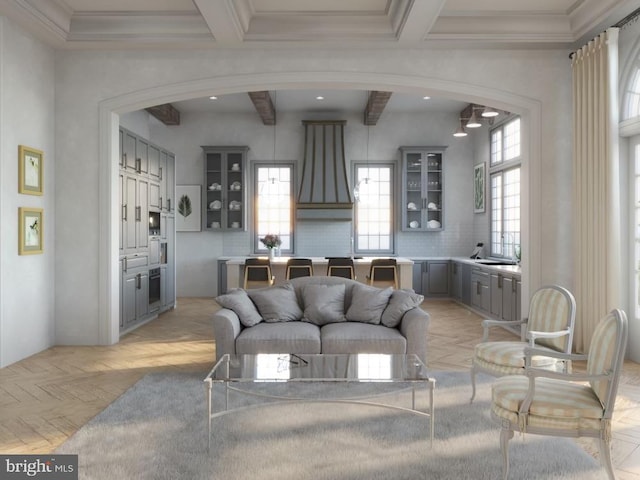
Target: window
x: 505, y: 190
x: 632, y: 96
x: 373, y: 208
x: 273, y: 204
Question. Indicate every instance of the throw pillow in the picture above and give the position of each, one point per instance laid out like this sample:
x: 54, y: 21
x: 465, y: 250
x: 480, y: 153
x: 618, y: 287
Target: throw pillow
x: 277, y: 304
x: 401, y: 301
x: 238, y: 301
x: 323, y: 304
x: 368, y: 303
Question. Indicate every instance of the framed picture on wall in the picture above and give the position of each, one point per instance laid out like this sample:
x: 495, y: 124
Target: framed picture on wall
x: 30, y: 170
x: 478, y: 188
x: 188, y: 208
x: 30, y: 230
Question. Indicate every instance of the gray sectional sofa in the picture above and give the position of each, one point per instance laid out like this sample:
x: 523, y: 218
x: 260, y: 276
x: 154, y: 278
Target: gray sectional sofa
x: 321, y: 314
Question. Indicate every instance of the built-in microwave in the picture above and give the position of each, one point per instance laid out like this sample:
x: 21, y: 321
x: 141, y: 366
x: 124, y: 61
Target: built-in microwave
x: 154, y: 224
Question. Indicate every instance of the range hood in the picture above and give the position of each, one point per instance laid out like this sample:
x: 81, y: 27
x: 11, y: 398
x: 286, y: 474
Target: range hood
x: 324, y: 189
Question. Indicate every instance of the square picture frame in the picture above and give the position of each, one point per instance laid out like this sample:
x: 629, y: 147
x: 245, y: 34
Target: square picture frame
x: 30, y: 170
x: 479, y: 188
x: 188, y: 208
x: 30, y: 230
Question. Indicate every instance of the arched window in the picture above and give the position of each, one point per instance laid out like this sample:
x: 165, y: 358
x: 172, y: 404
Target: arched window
x: 631, y: 106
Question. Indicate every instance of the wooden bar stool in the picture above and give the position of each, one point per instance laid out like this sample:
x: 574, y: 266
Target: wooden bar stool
x: 257, y: 273
x: 299, y: 267
x: 383, y: 271
x: 341, y: 267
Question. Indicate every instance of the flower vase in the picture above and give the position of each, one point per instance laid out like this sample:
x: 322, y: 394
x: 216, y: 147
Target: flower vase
x: 272, y: 253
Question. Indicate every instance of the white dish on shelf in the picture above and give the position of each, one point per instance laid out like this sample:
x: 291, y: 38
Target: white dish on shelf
x: 235, y: 224
x: 215, y: 205
x: 215, y: 186
x: 411, y: 206
x: 434, y: 224
x: 432, y: 206
x: 414, y: 224
x: 235, y: 186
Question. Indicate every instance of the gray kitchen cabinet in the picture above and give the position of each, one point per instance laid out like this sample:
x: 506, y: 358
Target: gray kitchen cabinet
x: 505, y: 297
x: 225, y: 198
x: 461, y: 282
x: 480, y: 290
x: 134, y: 210
x: 431, y: 277
x: 135, y: 297
x: 222, y: 277
x: 170, y: 184
x: 154, y: 196
x: 496, y: 281
x: 128, y: 156
x: 422, y: 207
x: 153, y: 155
x: 142, y: 156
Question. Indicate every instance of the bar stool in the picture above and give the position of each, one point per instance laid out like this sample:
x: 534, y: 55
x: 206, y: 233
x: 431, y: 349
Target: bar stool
x: 299, y: 267
x: 341, y: 267
x: 257, y: 273
x: 383, y: 271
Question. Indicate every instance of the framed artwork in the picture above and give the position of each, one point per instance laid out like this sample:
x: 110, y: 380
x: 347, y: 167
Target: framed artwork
x: 30, y: 230
x: 478, y: 188
x: 188, y: 208
x: 30, y: 170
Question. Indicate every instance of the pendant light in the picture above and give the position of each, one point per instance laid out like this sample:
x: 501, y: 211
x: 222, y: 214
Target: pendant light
x: 489, y: 112
x: 473, y: 120
x: 460, y: 132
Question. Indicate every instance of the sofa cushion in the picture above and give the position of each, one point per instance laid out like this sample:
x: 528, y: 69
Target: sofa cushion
x: 284, y: 337
x: 368, y: 303
x: 238, y: 301
x: 277, y: 304
x: 400, y: 302
x: 323, y: 304
x: 355, y: 337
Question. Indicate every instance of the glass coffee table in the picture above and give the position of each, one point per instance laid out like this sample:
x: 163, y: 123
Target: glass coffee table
x: 405, y: 371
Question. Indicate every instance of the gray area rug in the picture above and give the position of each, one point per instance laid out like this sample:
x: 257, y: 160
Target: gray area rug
x: 158, y: 430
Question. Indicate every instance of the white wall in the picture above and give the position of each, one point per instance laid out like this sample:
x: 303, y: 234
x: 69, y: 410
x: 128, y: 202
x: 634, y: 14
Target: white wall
x: 197, y: 252
x: 27, y: 292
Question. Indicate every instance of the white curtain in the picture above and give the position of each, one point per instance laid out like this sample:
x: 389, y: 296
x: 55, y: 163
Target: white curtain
x: 596, y: 183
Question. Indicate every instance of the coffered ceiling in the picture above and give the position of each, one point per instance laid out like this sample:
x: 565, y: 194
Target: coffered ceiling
x: 77, y: 24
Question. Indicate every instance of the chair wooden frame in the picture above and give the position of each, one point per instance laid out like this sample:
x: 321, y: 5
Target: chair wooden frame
x: 256, y: 265
x: 302, y: 265
x: 383, y: 265
x: 609, y: 373
x: 528, y: 337
x: 335, y: 265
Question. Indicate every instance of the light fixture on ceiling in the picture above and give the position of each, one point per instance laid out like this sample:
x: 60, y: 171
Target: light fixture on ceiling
x: 489, y: 112
x: 473, y: 120
x: 460, y: 132
x: 426, y: 97
x: 319, y: 97
x: 213, y: 97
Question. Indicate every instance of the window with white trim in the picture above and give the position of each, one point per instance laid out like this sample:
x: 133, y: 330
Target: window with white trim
x: 373, y: 223
x: 273, y: 200
x: 504, y: 184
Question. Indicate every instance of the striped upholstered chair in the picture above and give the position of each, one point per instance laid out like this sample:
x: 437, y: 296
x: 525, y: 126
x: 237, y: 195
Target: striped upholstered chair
x: 554, y: 403
x: 549, y: 326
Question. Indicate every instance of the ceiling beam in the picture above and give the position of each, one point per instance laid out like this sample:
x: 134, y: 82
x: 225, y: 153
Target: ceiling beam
x: 223, y: 21
x: 264, y: 106
x: 167, y: 114
x: 375, y: 105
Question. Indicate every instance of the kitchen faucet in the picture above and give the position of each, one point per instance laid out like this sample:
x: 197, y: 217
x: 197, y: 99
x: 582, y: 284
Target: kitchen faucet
x: 513, y: 245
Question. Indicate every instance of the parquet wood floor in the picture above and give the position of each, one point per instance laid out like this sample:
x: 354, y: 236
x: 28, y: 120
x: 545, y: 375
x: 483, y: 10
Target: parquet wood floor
x: 47, y: 397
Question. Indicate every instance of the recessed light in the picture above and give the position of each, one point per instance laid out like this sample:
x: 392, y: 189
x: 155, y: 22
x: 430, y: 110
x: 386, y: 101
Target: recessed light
x: 213, y: 97
x: 319, y: 97
x: 426, y: 97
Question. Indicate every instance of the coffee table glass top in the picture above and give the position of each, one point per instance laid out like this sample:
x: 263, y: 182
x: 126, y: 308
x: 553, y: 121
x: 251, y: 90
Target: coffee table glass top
x: 322, y: 367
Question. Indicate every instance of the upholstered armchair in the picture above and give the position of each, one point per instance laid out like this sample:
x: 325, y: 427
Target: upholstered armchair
x: 549, y: 326
x: 553, y: 403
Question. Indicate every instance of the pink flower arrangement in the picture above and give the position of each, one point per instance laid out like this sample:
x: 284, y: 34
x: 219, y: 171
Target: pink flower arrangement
x: 271, y: 241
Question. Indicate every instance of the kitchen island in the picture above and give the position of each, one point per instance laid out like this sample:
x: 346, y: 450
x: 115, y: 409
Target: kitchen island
x: 235, y: 266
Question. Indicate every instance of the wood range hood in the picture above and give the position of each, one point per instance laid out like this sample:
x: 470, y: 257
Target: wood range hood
x: 325, y: 194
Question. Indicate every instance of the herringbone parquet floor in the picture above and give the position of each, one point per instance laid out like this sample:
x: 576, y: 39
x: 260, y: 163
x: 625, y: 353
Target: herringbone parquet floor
x: 45, y: 398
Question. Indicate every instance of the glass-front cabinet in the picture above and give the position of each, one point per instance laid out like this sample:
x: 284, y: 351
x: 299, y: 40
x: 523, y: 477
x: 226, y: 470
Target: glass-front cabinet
x: 224, y: 200
x: 422, y: 189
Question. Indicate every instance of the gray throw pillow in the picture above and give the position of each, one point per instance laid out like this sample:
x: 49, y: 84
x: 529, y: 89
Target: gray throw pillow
x: 238, y: 301
x: 277, y: 304
x: 368, y: 303
x: 401, y: 302
x: 323, y: 304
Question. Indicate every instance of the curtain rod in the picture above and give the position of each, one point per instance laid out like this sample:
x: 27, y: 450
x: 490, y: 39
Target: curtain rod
x: 632, y: 17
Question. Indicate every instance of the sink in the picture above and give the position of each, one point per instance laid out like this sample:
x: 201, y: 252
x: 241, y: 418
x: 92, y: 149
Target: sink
x: 495, y: 262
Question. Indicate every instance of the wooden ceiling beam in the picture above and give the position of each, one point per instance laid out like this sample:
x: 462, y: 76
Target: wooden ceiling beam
x: 375, y: 105
x: 264, y: 106
x: 166, y: 113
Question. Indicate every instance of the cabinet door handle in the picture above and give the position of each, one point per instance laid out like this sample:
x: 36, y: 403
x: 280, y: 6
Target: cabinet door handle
x: 138, y: 165
x: 138, y: 214
x: 514, y: 286
x: 124, y: 158
x: 499, y: 281
x: 168, y: 204
x: 124, y: 212
x: 139, y: 281
x: 125, y: 265
x: 160, y: 203
x: 160, y: 173
x: 478, y: 288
